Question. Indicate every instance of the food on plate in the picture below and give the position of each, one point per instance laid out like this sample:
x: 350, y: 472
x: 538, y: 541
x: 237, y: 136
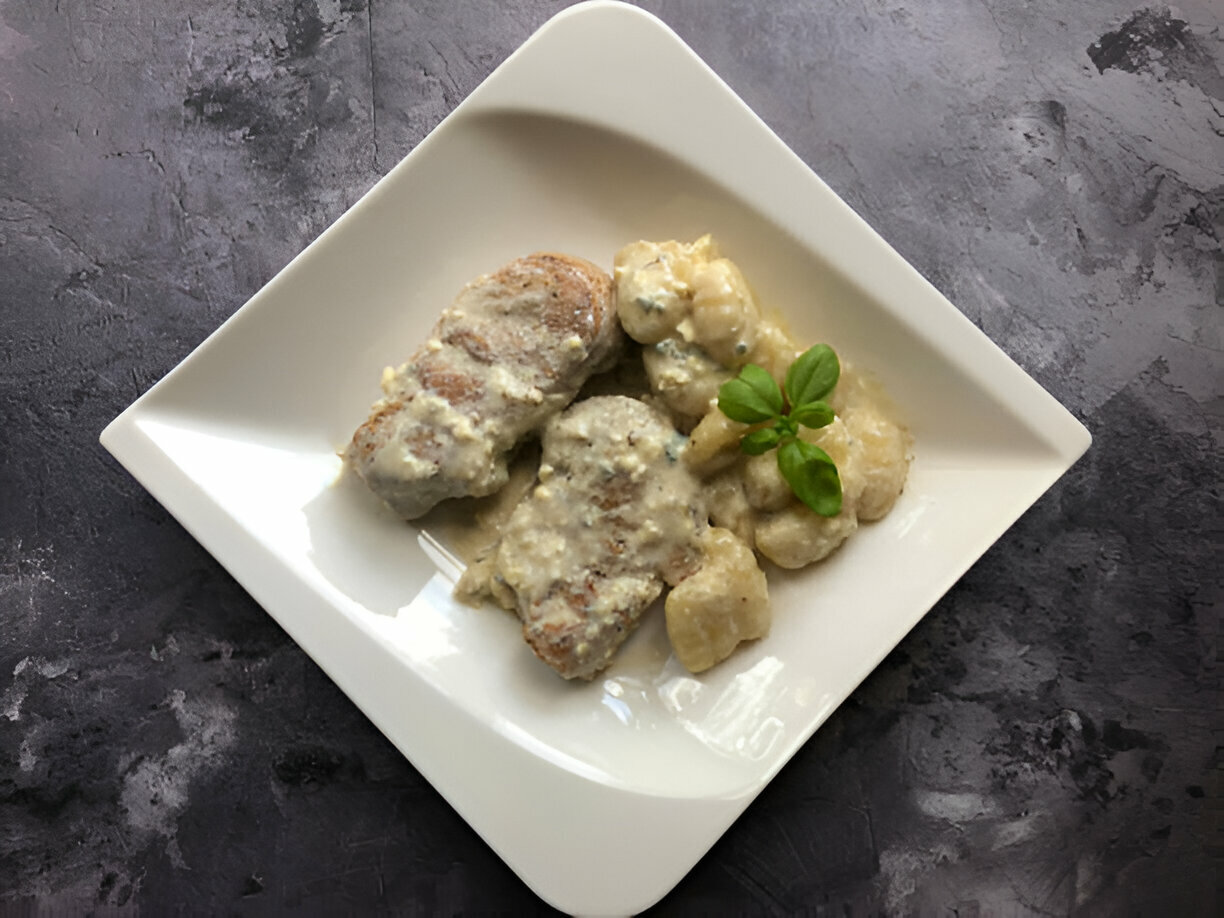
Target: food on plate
x: 698, y: 322
x: 615, y: 517
x: 881, y: 444
x: 694, y: 311
x: 720, y: 440
x: 511, y: 351
x: 723, y: 602
x: 779, y: 414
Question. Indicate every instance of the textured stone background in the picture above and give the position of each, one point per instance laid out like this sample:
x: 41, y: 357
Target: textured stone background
x: 1047, y: 742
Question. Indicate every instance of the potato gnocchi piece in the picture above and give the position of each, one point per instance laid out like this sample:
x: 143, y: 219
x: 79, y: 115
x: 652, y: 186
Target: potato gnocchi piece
x: 796, y: 537
x: 714, y: 443
x: 838, y: 441
x: 793, y: 536
x: 767, y: 490
x: 764, y: 486
x: 669, y: 290
x: 882, y: 449
x: 775, y: 350
x: 685, y: 377
x: 725, y: 316
x: 654, y: 289
x: 729, y: 507
x: 725, y: 602
x: 881, y: 445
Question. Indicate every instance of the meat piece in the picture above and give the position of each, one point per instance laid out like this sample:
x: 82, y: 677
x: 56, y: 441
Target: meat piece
x: 510, y: 352
x: 616, y: 515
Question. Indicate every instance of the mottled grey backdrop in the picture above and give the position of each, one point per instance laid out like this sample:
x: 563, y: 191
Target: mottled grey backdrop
x: 1047, y: 742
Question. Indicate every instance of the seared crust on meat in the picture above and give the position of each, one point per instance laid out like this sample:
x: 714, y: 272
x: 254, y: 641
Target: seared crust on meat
x: 510, y: 352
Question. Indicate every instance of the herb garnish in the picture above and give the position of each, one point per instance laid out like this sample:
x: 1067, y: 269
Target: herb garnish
x: 754, y: 398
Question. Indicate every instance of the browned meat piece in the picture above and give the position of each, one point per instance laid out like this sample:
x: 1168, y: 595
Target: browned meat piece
x: 511, y: 351
x: 616, y: 515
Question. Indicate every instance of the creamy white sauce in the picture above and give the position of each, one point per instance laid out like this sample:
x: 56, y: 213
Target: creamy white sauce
x: 510, y: 352
x: 580, y: 544
x: 615, y: 515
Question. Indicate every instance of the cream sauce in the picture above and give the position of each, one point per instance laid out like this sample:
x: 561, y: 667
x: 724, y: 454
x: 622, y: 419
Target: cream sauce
x: 512, y: 351
x: 615, y: 516
x: 711, y: 327
x: 592, y: 527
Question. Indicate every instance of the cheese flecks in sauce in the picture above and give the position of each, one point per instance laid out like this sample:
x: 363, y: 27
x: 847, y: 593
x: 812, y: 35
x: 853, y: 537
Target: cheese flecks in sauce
x: 615, y: 517
x: 699, y: 323
x: 616, y: 507
x: 510, y: 352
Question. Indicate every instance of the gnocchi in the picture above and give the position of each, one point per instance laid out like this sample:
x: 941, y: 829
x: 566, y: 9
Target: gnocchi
x: 700, y: 323
x: 684, y: 377
x: 714, y: 443
x: 728, y: 504
x: 725, y: 602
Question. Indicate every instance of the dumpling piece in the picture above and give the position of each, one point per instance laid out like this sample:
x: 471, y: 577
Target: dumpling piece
x: 696, y: 315
x: 787, y: 532
x: 724, y: 603
x: 615, y: 517
x: 511, y: 351
x: 881, y: 443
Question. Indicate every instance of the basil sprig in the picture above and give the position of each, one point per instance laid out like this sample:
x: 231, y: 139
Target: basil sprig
x: 754, y: 398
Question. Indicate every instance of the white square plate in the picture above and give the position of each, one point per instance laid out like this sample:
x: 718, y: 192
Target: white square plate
x: 569, y: 146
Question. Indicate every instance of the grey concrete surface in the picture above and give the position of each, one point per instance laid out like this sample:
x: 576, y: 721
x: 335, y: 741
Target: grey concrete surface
x: 1048, y: 741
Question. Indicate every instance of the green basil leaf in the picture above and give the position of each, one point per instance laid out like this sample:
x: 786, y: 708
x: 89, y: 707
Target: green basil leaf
x: 760, y: 441
x: 762, y: 382
x: 813, y: 414
x: 751, y: 397
x: 813, y: 477
x: 740, y: 402
x: 812, y: 376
